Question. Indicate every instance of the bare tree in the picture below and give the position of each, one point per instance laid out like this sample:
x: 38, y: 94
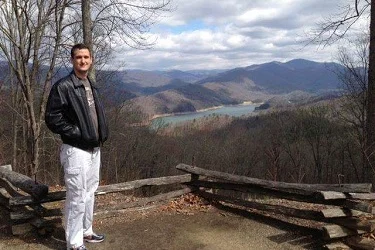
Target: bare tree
x: 108, y: 24
x: 353, y: 103
x: 35, y: 37
x: 30, y: 35
x: 370, y: 122
x: 87, y: 29
x: 336, y: 27
x: 126, y: 21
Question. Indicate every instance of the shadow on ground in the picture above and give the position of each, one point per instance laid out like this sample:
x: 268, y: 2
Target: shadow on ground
x: 305, y: 238
x: 215, y: 229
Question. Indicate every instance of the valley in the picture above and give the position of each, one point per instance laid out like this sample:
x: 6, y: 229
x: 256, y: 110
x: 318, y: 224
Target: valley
x: 158, y: 93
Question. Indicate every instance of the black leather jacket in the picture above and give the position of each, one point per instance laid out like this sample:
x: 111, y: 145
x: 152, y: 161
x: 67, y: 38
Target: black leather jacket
x: 68, y: 114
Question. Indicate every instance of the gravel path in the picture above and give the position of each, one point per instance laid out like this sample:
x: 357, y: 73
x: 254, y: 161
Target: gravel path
x: 209, y: 230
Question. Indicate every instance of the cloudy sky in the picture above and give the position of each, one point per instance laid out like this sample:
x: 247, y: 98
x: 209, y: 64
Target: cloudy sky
x: 224, y: 34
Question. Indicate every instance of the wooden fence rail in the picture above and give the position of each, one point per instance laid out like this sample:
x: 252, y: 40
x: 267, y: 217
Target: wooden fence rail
x: 26, y: 207
x: 348, y: 208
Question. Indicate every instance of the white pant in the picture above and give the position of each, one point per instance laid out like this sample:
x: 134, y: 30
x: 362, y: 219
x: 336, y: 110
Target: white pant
x: 81, y: 174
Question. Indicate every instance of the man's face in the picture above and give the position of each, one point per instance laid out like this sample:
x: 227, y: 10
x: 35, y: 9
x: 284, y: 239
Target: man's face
x: 82, y: 60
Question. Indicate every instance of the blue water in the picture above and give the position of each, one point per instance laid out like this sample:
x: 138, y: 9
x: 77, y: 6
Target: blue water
x: 232, y: 110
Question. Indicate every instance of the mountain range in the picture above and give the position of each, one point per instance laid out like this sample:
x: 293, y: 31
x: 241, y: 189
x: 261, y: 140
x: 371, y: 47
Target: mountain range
x: 175, y: 91
x: 161, y: 92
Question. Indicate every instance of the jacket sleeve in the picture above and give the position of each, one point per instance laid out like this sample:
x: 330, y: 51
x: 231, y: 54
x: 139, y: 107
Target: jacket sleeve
x: 56, y: 113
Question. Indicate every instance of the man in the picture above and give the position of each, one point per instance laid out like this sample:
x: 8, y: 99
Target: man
x: 74, y: 111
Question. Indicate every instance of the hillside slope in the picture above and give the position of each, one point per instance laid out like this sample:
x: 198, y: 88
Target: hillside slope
x: 256, y: 83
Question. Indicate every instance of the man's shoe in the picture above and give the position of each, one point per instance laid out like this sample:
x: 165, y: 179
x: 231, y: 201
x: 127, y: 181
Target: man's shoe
x: 79, y: 248
x: 94, y: 238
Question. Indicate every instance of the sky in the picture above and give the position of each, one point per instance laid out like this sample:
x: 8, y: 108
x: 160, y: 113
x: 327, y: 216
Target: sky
x: 225, y: 34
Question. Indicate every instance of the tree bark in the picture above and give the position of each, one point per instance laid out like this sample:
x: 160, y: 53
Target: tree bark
x: 36, y: 190
x: 359, y: 242
x: 340, y: 212
x: 297, y: 188
x: 60, y: 195
x: 87, y: 32
x: 335, y: 231
x: 370, y: 122
x: 288, y: 211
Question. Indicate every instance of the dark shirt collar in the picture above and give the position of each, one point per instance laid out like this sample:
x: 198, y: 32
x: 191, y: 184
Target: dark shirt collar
x: 77, y: 81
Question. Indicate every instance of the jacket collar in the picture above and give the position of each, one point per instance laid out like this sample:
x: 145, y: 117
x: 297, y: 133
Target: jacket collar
x: 78, y: 83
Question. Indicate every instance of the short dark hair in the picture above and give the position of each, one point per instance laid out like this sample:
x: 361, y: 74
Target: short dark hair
x: 79, y: 46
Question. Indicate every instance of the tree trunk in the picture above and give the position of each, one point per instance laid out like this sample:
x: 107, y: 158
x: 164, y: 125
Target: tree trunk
x: 370, y: 125
x: 87, y: 32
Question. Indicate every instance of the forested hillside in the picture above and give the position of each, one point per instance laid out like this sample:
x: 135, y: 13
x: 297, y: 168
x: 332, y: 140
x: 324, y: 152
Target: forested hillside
x: 307, y: 144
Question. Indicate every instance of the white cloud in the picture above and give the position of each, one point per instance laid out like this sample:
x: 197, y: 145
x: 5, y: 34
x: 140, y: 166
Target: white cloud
x: 258, y: 14
x: 211, y: 34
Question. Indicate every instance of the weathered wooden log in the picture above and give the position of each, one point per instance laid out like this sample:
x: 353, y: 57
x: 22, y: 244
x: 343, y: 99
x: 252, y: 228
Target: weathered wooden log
x: 244, y: 188
x: 12, y: 193
x: 289, y: 211
x: 362, y: 196
x: 22, y: 215
x: 358, y: 205
x: 8, y: 167
x: 4, y: 198
x: 307, y: 189
x: 316, y: 197
x: 355, y: 223
x: 4, y: 192
x: 41, y: 222
x: 363, y: 206
x: 349, y: 204
x: 357, y: 242
x: 11, y: 190
x: 25, y: 214
x: 28, y: 200
x: 145, y: 182
x: 340, y: 212
x: 60, y: 195
x: 160, y: 197
x: 29, y: 214
x: 336, y: 246
x: 332, y: 195
x: 333, y: 231
x: 25, y: 183
x: 21, y: 229
x: 42, y: 226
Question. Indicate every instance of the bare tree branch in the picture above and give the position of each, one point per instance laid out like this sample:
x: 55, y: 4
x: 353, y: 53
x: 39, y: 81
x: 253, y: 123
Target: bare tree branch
x: 336, y: 26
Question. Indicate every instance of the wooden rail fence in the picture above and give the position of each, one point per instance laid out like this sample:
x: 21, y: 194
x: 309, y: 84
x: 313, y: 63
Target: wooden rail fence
x: 27, y: 210
x: 347, y: 216
x: 349, y: 212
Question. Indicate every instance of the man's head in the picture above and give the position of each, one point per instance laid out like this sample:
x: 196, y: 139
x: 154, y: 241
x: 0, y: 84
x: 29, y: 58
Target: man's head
x: 79, y: 46
x: 81, y: 59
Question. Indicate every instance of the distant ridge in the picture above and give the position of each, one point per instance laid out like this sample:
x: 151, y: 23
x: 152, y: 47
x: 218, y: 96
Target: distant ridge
x: 158, y: 92
x: 258, y: 82
x: 278, y: 78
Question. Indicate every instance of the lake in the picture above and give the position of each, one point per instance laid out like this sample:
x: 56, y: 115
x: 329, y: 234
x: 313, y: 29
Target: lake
x: 231, y: 110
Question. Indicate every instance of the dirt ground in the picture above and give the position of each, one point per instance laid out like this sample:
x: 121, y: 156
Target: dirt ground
x: 175, y: 229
